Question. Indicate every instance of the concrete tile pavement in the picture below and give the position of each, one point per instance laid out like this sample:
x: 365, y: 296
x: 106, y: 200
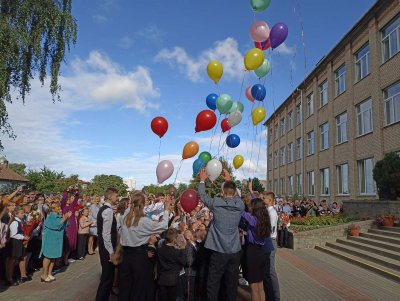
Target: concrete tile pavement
x: 304, y: 275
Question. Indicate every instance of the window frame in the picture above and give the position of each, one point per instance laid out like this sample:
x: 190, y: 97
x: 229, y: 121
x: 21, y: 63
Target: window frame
x: 359, y: 162
x: 339, y: 129
x: 290, y: 152
x: 299, y: 148
x: 309, y: 144
x: 340, y: 77
x: 392, y: 99
x: 323, y: 132
x: 358, y: 74
x: 396, y: 31
x: 309, y: 173
x: 360, y: 116
x: 323, y: 91
x: 339, y: 175
x: 310, y: 104
x: 290, y: 121
x: 322, y: 182
x: 299, y: 113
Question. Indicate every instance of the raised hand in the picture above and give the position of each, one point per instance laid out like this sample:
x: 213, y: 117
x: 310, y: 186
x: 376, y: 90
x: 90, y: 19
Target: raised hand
x: 203, y: 175
x: 227, y: 177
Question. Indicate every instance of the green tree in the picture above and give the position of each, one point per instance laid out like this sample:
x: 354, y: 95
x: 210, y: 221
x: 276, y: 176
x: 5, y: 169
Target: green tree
x: 19, y: 168
x: 386, y: 174
x: 257, y: 186
x: 213, y: 188
x: 100, y: 183
x: 34, y: 35
x: 46, y: 180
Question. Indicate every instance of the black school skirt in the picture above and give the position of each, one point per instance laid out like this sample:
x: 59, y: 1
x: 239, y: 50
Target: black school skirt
x: 256, y: 260
x: 16, y: 248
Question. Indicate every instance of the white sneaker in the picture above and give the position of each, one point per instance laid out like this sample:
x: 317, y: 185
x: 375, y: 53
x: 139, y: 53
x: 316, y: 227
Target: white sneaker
x: 243, y: 282
x: 71, y: 260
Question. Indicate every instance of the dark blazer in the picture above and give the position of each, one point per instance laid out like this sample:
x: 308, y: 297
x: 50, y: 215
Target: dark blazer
x: 170, y: 262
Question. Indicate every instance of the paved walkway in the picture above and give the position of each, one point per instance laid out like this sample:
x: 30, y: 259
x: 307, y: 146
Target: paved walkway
x: 305, y: 275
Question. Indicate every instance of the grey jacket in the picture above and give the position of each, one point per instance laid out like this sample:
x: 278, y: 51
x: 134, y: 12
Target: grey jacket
x: 223, y: 235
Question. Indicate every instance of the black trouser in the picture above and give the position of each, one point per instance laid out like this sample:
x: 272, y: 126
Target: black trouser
x: 226, y: 266
x: 167, y: 293
x: 283, y: 237
x: 107, y: 274
x: 136, y: 277
x: 81, y: 245
x: 189, y: 290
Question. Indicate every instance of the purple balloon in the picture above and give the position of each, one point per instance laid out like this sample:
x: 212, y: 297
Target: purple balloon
x: 278, y: 34
x: 165, y: 169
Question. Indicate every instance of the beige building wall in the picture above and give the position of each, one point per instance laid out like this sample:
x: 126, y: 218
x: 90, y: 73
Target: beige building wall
x: 383, y: 139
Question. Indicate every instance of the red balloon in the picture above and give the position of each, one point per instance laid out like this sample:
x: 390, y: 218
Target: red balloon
x: 189, y: 200
x: 263, y: 45
x: 225, y: 125
x: 159, y: 125
x: 205, y: 121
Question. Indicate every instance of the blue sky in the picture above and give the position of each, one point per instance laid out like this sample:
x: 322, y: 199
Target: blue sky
x: 135, y: 60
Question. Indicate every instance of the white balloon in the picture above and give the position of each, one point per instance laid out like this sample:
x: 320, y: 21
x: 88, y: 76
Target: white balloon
x: 234, y: 118
x: 213, y: 169
x: 164, y: 170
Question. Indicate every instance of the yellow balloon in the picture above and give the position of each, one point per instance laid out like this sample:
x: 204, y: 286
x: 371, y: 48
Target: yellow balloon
x: 238, y: 161
x: 258, y: 115
x: 215, y: 70
x: 253, y: 59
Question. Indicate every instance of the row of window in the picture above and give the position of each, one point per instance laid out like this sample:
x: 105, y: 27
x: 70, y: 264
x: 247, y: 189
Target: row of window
x: 366, y: 182
x: 390, y: 40
x: 364, y: 122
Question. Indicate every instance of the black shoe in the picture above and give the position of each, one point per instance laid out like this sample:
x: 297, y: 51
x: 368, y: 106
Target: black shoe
x: 11, y: 283
x: 25, y: 279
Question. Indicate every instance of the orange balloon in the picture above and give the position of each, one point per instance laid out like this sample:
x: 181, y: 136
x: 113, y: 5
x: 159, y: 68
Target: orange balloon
x: 190, y: 150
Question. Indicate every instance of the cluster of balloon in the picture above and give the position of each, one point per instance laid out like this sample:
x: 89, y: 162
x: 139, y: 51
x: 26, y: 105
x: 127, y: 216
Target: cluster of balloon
x: 201, y: 162
x: 205, y: 121
x: 189, y: 200
x: 238, y: 161
x: 164, y: 171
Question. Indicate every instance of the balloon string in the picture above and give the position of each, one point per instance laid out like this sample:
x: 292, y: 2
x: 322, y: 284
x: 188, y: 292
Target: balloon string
x: 259, y: 149
x: 251, y: 153
x: 219, y: 143
x: 177, y: 172
x: 219, y: 92
x: 159, y: 151
x: 241, y: 87
x: 215, y: 130
x: 248, y: 129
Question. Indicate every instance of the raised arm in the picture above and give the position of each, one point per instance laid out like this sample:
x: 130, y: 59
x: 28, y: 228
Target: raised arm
x: 208, y: 201
x: 249, y: 218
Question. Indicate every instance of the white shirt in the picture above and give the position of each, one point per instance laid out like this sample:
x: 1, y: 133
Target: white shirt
x: 14, y: 230
x: 107, y: 223
x: 273, y: 216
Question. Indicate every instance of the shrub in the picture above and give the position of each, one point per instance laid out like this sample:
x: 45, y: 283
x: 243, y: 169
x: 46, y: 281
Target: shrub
x: 386, y: 174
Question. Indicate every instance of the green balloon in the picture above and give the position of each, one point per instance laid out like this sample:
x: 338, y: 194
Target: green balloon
x: 237, y: 106
x: 259, y: 5
x: 224, y: 103
x: 263, y: 69
x: 205, y: 157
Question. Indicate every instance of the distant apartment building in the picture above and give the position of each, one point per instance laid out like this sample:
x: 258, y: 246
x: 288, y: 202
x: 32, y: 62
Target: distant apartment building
x: 324, y: 140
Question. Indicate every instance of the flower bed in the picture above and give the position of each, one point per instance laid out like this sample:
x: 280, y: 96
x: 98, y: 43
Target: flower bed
x: 306, y: 223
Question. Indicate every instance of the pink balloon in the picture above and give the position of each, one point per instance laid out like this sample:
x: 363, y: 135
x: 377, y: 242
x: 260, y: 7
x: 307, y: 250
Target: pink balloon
x: 259, y: 31
x: 165, y: 169
x: 248, y: 94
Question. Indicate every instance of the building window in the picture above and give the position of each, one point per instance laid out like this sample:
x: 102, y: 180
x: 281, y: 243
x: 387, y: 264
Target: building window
x: 270, y: 136
x: 290, y: 152
x: 270, y: 185
x: 299, y: 182
x: 310, y: 104
x: 276, y: 185
x: 290, y: 183
x: 364, y: 117
x: 324, y: 175
x: 341, y: 128
x: 299, y: 145
x: 366, y: 180
x: 310, y: 143
x: 290, y: 120
x: 283, y: 126
x: 276, y: 132
x: 340, y: 80
x: 275, y: 159
x: 283, y: 186
x: 343, y: 178
x: 283, y: 156
x: 311, y: 183
x: 299, y: 114
x: 390, y: 39
x: 270, y: 162
x: 324, y: 132
x: 362, y: 62
x: 391, y: 98
x: 323, y: 94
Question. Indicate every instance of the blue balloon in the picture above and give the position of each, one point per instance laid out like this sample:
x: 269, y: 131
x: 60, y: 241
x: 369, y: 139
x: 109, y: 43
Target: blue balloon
x: 258, y: 92
x: 198, y: 164
x: 232, y: 140
x: 212, y: 101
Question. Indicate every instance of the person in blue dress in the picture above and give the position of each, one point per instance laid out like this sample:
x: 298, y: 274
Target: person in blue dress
x: 52, y: 240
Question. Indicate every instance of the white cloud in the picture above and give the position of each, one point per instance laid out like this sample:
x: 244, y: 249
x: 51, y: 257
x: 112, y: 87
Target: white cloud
x: 152, y: 33
x: 284, y: 49
x: 226, y: 51
x: 126, y: 42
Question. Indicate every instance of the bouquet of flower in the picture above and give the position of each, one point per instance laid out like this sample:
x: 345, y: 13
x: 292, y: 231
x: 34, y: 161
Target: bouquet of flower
x: 283, y: 220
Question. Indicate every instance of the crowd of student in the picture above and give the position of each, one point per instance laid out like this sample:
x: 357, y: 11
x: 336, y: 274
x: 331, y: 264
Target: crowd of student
x: 149, y: 247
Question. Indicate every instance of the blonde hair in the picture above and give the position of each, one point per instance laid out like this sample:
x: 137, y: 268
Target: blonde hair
x: 136, y: 211
x: 55, y: 207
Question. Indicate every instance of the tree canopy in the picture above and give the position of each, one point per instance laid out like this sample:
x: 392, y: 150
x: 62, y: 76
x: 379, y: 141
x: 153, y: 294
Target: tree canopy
x: 100, y: 183
x: 34, y: 35
x: 19, y: 168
